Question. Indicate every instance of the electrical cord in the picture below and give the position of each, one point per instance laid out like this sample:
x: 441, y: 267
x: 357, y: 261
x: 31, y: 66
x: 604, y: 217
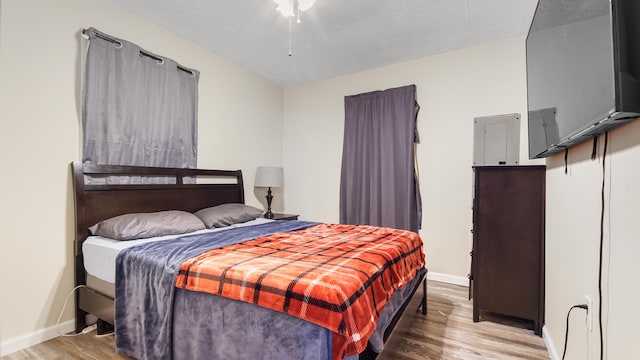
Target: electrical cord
x: 600, y: 260
x: 566, y: 334
x: 604, y: 158
x: 87, y: 329
x: 62, y: 312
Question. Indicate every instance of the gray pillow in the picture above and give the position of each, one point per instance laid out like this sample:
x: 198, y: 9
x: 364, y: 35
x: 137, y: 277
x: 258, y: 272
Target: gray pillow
x: 227, y: 214
x: 146, y: 225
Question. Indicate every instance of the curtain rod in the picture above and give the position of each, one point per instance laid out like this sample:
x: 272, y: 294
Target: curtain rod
x: 119, y: 43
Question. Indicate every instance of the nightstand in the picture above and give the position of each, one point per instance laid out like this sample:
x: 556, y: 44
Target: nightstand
x: 277, y: 216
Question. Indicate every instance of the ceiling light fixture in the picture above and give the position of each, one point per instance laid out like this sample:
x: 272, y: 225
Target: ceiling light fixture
x: 291, y: 8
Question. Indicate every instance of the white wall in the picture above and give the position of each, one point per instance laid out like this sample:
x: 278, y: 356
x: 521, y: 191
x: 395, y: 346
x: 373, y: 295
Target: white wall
x: 240, y: 126
x: 452, y: 89
x: 572, y: 246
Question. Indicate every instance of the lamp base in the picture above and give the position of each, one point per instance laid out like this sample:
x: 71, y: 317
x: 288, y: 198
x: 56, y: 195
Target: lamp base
x: 269, y: 214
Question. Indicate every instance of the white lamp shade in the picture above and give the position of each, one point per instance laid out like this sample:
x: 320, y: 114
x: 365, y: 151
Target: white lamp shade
x: 269, y: 176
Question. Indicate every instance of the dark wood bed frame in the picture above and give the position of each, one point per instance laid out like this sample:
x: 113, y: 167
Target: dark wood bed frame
x: 94, y: 203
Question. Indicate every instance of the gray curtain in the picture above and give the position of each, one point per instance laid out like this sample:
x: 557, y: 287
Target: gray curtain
x: 138, y: 108
x: 379, y: 184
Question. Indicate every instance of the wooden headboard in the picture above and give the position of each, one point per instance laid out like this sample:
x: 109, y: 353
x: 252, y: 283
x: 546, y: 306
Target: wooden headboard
x: 94, y: 203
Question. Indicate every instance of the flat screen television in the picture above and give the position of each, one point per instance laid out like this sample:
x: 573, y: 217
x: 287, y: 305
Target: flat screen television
x: 583, y: 71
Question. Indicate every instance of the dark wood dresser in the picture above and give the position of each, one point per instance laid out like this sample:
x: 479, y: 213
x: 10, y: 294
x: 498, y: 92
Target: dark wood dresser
x: 507, y: 266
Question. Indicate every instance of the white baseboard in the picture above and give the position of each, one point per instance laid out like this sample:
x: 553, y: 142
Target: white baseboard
x: 551, y: 347
x: 22, y: 342
x: 449, y: 279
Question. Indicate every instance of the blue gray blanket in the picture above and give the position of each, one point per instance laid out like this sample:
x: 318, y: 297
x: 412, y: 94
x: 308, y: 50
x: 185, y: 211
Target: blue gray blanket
x: 206, y: 326
x: 145, y: 285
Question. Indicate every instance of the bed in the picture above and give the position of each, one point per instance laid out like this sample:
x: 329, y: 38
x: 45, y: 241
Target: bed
x: 191, y: 332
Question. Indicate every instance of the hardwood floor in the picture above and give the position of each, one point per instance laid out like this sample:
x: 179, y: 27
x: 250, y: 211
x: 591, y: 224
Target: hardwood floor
x: 447, y: 332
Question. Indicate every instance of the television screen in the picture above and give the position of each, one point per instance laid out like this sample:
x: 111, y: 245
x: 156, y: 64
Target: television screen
x: 572, y: 69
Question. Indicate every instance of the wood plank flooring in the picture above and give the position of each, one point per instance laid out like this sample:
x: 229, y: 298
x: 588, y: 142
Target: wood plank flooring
x: 447, y: 332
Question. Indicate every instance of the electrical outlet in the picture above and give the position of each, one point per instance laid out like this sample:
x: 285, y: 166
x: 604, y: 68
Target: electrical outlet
x: 589, y: 303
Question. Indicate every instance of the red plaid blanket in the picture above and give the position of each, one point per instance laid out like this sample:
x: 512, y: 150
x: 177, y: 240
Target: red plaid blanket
x: 337, y: 276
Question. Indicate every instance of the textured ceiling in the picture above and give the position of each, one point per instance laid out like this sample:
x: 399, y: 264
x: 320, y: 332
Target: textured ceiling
x: 335, y: 37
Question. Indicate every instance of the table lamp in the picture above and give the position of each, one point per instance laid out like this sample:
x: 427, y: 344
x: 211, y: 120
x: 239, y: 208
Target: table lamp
x: 269, y: 176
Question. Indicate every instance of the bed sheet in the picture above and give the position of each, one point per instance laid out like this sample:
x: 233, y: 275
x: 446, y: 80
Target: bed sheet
x: 100, y: 253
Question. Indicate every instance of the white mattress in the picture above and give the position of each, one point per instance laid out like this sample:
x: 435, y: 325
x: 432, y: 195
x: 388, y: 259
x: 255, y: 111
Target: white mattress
x: 100, y: 253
